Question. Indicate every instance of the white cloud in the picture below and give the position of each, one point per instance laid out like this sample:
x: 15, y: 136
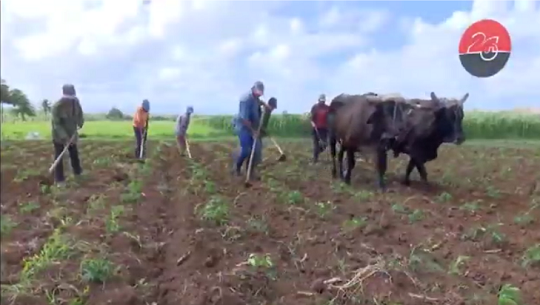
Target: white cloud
x: 207, y: 53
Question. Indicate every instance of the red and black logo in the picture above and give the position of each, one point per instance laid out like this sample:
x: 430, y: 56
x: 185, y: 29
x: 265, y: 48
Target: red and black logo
x: 484, y: 48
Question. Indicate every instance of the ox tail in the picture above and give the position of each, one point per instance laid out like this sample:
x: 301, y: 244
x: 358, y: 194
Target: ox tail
x: 332, y: 142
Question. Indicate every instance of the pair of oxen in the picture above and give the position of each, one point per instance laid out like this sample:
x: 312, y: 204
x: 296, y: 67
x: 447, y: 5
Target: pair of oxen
x: 378, y: 123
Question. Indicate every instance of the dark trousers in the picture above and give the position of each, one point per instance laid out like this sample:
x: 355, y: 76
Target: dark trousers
x: 73, y: 157
x: 138, y: 138
x: 320, y: 141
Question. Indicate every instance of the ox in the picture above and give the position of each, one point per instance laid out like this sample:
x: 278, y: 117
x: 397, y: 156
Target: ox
x: 431, y: 123
x: 369, y: 122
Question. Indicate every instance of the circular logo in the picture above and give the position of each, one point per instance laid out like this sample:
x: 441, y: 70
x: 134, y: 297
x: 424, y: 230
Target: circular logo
x: 484, y: 48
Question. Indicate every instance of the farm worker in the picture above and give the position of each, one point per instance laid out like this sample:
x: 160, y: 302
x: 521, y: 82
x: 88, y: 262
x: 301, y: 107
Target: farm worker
x: 140, y: 126
x: 265, y: 112
x: 67, y: 117
x: 319, y: 116
x: 182, y: 125
x: 246, y: 126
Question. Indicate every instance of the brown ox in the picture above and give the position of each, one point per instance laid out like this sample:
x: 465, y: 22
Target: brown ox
x: 368, y: 122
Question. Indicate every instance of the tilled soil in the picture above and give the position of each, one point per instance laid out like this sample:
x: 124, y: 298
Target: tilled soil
x: 177, y: 231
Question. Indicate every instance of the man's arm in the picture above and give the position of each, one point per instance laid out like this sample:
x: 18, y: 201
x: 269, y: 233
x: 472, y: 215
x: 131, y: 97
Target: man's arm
x: 244, y: 112
x: 57, y: 123
x: 312, y: 115
x: 80, y: 114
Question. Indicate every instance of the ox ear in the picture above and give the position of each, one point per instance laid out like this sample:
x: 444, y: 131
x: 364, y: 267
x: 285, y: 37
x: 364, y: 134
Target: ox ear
x: 464, y: 98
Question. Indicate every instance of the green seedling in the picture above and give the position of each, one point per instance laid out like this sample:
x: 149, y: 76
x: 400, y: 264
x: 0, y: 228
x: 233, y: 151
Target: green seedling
x: 216, y: 211
x: 97, y: 270
x: 6, y: 225
x: 355, y: 223
x: 264, y: 263
x: 294, y: 198
x: 258, y: 224
x: 509, y: 295
x: 363, y: 195
x: 415, y: 216
x: 58, y: 247
x: 111, y: 224
x: 28, y: 207
x: 323, y: 209
x: 457, y: 264
x: 470, y: 206
x: 444, y: 198
x: 531, y: 257
x: 493, y: 192
x: 399, y: 209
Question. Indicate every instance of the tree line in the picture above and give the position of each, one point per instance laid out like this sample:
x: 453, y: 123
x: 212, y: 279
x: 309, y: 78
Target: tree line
x: 21, y: 105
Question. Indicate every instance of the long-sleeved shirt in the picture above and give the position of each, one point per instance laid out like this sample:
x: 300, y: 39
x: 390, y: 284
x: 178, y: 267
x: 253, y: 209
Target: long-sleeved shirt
x: 140, y: 117
x: 67, y: 117
x: 182, y: 124
x: 248, y: 109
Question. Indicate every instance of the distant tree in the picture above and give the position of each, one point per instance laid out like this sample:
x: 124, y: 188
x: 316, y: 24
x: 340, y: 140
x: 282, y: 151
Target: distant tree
x: 46, y: 106
x: 115, y: 114
x: 23, y: 108
x: 5, y: 97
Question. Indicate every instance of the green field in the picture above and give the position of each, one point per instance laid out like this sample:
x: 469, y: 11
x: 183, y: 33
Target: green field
x: 477, y: 125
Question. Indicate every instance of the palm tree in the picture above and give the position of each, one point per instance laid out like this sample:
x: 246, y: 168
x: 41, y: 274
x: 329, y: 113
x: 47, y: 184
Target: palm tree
x: 46, y: 106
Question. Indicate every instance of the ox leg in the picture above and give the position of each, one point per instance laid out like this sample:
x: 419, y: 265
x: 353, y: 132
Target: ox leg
x: 350, y: 166
x: 408, y: 171
x: 340, y: 161
x: 421, y: 168
x: 333, y: 155
x: 382, y: 165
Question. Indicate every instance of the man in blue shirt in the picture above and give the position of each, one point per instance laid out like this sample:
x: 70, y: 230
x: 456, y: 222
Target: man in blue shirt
x: 246, y: 126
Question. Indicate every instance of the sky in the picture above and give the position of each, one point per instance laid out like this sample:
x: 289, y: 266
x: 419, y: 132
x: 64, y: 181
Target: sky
x: 209, y: 53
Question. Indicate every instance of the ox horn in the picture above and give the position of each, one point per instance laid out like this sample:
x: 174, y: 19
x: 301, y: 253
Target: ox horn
x: 464, y: 98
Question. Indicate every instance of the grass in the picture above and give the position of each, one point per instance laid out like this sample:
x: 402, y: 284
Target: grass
x: 110, y: 130
x: 477, y: 125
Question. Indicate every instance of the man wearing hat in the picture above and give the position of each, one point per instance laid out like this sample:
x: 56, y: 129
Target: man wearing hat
x: 140, y: 125
x: 246, y: 126
x: 67, y: 117
x: 319, y: 123
x: 182, y: 125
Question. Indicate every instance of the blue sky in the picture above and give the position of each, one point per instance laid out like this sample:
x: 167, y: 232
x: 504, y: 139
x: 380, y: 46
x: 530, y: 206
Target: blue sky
x: 208, y: 53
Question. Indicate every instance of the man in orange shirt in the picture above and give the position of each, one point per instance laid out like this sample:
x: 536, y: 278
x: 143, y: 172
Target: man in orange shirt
x: 140, y: 126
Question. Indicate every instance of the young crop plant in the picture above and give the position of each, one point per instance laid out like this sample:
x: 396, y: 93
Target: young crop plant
x: 6, y: 225
x: 416, y: 215
x: 262, y: 263
x: 258, y: 224
x: 354, y: 223
x: 215, y: 211
x: 455, y: 266
x: 444, y: 197
x: 28, y: 207
x: 133, y: 192
x: 294, y: 198
x: 111, y: 223
x: 509, y: 295
x: 323, y: 209
x: 58, y: 247
x: 531, y: 257
x: 97, y: 270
